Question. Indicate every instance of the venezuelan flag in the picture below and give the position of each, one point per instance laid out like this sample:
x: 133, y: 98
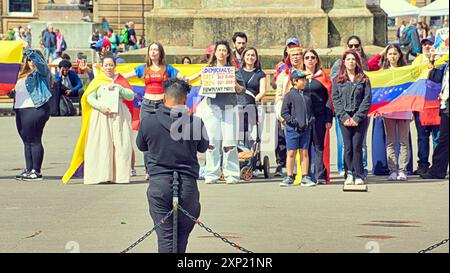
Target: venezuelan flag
x: 138, y: 85
x: 403, y: 89
x: 11, y: 54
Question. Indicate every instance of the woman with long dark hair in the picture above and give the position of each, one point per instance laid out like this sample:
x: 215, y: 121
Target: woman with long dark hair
x: 220, y: 118
x: 353, y: 42
x: 254, y: 80
x: 319, y: 86
x: 396, y: 124
x: 352, y: 100
x: 31, y: 94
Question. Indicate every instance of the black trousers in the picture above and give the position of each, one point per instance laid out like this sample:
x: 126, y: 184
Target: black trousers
x: 280, y: 150
x: 318, y: 140
x: 353, y: 142
x: 30, y: 123
x: 56, y: 94
x: 159, y: 195
x: 148, y: 107
x: 440, y: 154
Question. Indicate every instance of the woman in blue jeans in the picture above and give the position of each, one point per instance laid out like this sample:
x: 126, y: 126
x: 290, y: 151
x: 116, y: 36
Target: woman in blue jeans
x: 31, y: 94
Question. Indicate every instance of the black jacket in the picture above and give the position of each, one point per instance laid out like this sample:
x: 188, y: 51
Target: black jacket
x: 297, y: 109
x: 321, y: 103
x: 352, y: 100
x: 172, y: 137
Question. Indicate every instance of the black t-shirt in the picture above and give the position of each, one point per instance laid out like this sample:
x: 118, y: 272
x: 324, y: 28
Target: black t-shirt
x: 131, y: 32
x: 251, y: 83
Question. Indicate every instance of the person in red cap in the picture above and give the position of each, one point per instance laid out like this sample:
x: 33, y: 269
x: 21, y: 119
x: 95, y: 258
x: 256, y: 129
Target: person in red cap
x: 208, y: 52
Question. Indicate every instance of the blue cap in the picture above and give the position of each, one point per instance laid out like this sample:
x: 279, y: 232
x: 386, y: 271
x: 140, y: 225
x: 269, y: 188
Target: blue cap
x: 297, y: 74
x: 98, y: 45
x: 292, y: 40
x: 430, y: 39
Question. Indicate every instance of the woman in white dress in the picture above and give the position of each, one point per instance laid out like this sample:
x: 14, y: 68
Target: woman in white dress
x: 109, y: 141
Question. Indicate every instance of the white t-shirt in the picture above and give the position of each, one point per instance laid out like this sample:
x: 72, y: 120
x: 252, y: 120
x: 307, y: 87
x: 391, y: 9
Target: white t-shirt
x: 23, y: 99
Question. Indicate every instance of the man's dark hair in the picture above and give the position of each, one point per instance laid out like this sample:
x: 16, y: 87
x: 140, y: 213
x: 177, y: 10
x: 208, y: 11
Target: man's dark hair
x: 65, y: 64
x: 108, y: 55
x: 65, y: 56
x: 239, y: 34
x: 176, y: 89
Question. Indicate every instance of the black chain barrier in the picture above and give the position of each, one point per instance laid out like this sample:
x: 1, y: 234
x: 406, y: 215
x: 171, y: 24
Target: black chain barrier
x: 217, y: 235
x: 148, y: 233
x: 174, y: 213
x: 434, y: 246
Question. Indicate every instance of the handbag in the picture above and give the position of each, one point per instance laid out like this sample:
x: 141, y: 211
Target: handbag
x: 66, y: 107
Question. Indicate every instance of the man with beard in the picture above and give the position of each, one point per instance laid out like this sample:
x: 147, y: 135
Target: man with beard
x: 240, y: 43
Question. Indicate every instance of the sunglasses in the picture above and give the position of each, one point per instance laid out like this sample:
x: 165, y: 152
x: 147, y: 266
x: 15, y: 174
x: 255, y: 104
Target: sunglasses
x: 354, y: 45
x: 310, y: 57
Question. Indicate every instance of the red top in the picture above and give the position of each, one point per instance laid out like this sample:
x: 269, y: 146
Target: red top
x: 154, y: 82
x: 374, y: 63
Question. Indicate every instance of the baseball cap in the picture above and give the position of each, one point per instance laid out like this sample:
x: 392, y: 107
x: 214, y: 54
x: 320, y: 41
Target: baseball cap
x: 101, y: 43
x: 428, y: 39
x: 210, y: 49
x: 292, y: 40
x: 297, y: 74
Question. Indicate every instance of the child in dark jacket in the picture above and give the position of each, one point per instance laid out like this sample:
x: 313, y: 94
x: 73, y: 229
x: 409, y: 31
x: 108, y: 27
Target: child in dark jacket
x: 298, y: 119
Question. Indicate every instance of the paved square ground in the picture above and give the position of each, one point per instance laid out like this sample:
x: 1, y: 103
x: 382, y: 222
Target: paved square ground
x: 47, y: 216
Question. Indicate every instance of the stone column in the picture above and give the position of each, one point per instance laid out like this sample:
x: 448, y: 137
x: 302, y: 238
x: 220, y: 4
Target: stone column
x: 267, y: 23
x: 350, y: 17
x: 380, y: 28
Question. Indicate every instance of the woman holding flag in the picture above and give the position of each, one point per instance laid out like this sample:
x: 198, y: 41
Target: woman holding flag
x: 397, y: 123
x: 319, y: 85
x: 352, y: 99
x: 109, y: 140
x: 154, y: 72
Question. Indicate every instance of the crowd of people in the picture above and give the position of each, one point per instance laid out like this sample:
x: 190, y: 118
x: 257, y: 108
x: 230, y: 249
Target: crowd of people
x: 307, y: 102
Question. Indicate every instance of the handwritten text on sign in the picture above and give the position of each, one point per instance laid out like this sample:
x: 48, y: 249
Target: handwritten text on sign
x: 218, y: 80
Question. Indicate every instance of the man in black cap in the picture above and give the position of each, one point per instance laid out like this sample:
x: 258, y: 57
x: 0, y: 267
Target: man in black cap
x: 173, y: 137
x: 424, y: 131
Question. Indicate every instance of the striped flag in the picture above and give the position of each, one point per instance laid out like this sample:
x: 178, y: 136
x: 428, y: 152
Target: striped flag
x: 11, y: 54
x: 138, y: 86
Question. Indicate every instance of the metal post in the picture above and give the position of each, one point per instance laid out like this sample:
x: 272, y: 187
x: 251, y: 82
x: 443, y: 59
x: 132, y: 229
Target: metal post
x: 175, y: 213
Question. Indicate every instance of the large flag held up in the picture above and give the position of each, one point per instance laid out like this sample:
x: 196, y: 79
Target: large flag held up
x: 404, y: 89
x: 11, y: 55
x: 138, y: 86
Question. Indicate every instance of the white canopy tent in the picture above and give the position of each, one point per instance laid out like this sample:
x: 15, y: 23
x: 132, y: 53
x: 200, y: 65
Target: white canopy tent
x: 437, y: 8
x: 399, y: 8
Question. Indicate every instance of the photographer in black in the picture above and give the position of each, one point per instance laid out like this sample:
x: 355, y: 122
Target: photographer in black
x: 173, y: 137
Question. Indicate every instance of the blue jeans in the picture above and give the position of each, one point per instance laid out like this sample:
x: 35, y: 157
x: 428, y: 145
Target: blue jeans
x: 49, y: 52
x: 423, y: 140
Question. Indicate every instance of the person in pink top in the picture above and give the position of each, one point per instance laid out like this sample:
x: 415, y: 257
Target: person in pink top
x: 397, y: 123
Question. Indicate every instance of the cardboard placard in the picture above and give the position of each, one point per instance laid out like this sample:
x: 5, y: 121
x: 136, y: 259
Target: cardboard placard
x: 217, y: 80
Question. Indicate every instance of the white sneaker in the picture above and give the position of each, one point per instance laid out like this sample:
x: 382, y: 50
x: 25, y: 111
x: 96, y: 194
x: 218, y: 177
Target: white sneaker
x: 210, y: 181
x: 147, y: 177
x: 359, y: 181
x: 232, y: 181
x: 133, y: 173
x: 393, y: 176
x: 402, y: 176
x: 349, y: 180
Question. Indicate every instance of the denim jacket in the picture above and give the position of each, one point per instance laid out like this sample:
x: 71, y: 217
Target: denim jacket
x: 352, y: 100
x: 38, y: 82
